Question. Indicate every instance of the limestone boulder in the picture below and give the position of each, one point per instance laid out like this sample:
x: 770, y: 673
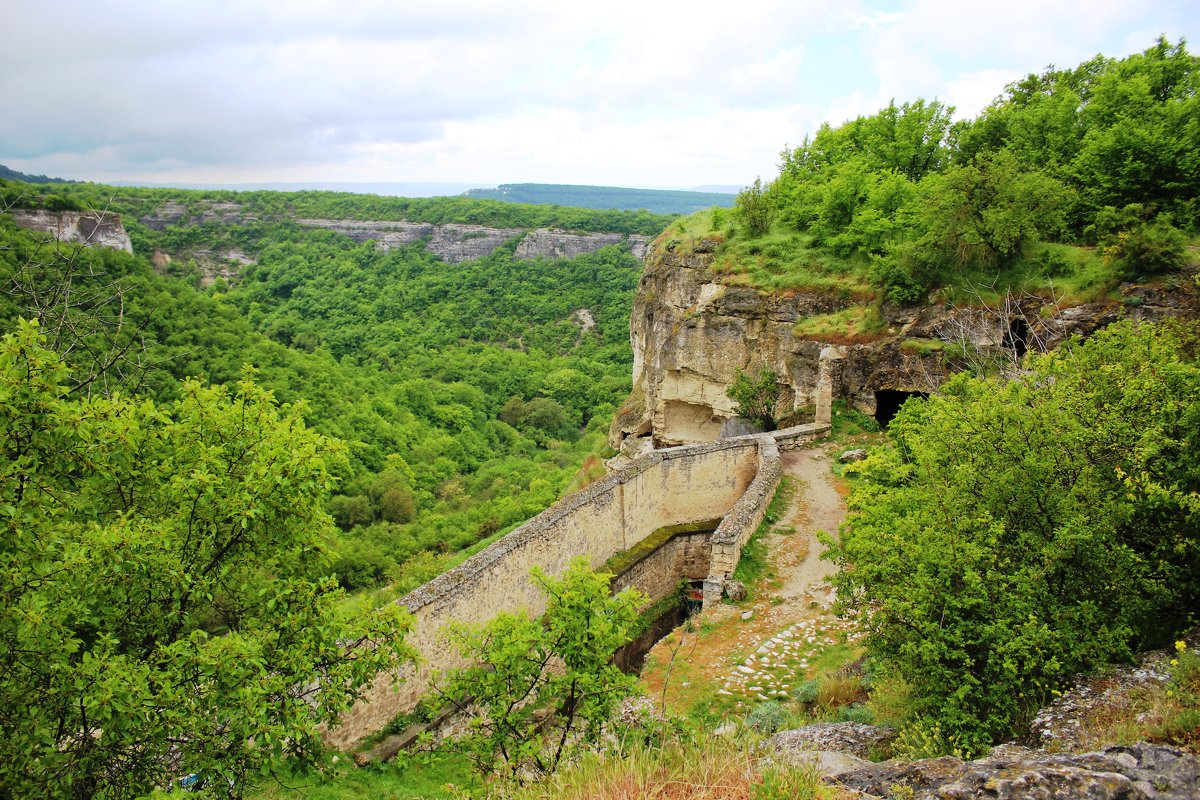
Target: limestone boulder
x: 1136, y: 772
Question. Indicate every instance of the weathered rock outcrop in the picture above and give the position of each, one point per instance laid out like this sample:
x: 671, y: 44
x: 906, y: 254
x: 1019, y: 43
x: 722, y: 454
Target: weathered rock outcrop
x: 454, y: 243
x: 545, y: 243
x: 1135, y: 772
x: 94, y: 229
x: 692, y: 331
x: 175, y: 213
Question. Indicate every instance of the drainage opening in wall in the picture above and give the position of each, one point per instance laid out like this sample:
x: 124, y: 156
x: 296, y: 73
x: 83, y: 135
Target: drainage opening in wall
x: 659, y: 620
x: 888, y: 402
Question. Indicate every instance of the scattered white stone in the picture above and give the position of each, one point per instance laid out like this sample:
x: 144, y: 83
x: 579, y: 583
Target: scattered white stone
x: 745, y: 669
x: 747, y: 615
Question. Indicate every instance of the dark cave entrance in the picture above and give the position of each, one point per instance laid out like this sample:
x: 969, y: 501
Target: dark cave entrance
x: 1017, y: 338
x: 888, y: 402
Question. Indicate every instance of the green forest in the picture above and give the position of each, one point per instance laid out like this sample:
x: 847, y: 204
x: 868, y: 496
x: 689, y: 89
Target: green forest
x: 1071, y: 181
x: 401, y: 412
x: 466, y: 395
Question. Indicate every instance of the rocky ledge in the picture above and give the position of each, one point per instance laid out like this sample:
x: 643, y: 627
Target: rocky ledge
x: 93, y: 229
x: 1139, y: 771
x: 693, y: 329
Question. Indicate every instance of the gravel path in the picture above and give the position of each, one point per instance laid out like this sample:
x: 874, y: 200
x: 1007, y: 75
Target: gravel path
x: 816, y: 506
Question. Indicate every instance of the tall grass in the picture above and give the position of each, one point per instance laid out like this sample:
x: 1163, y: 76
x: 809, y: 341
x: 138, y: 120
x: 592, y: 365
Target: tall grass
x: 703, y: 768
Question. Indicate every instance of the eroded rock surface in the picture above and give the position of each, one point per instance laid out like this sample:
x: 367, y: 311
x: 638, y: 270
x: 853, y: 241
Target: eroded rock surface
x: 854, y: 738
x: 93, y: 229
x: 1135, y: 772
x: 692, y: 332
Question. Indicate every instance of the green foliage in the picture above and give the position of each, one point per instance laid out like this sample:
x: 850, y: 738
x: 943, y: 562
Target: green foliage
x: 405, y: 358
x: 542, y: 691
x: 907, y: 201
x: 980, y: 215
x: 756, y: 397
x: 163, y: 601
x: 805, y: 692
x: 1138, y: 242
x: 754, y: 208
x: 1021, y: 532
x: 767, y: 717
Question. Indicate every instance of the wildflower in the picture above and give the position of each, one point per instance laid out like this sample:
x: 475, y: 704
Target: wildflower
x: 1180, y: 646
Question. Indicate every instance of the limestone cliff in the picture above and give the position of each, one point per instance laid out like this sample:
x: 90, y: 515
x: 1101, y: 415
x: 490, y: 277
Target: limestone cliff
x: 453, y: 243
x: 94, y: 229
x: 692, y: 329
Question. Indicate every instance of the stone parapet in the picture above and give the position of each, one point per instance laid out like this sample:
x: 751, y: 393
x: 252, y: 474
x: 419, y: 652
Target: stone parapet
x: 743, y: 519
x: 663, y: 488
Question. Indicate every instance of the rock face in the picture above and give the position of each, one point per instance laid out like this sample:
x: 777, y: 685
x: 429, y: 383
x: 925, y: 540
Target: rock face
x: 454, y: 243
x: 94, y: 229
x: 545, y: 243
x: 1136, y: 772
x: 853, y: 738
x: 175, y: 213
x: 692, y: 330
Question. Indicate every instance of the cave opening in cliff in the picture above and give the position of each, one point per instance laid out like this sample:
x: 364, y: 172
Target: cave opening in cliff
x: 1017, y: 338
x: 888, y: 402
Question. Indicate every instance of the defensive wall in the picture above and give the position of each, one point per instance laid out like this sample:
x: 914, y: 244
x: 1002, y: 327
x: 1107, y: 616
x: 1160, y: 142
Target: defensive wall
x: 731, y: 480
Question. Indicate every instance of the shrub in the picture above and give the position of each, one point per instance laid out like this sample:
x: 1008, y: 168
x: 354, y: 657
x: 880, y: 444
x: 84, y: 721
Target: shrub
x: 754, y: 208
x: 767, y: 717
x: 1023, y: 531
x: 756, y: 397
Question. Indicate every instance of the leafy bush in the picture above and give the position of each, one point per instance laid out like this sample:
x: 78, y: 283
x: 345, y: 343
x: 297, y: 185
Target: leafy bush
x: 1025, y: 531
x: 767, y: 717
x: 806, y: 692
x: 756, y: 397
x: 540, y: 691
x: 754, y: 208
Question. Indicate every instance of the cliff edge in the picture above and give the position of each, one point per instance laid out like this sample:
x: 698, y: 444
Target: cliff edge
x: 693, y: 328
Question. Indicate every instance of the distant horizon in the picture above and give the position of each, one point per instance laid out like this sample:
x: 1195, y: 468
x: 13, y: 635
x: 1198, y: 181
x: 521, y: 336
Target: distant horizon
x: 384, y: 188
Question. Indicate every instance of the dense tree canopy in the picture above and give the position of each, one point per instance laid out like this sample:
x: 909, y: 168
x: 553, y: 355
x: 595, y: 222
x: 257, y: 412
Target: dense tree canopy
x: 910, y: 200
x: 1022, y: 531
x: 407, y: 359
x: 163, y: 608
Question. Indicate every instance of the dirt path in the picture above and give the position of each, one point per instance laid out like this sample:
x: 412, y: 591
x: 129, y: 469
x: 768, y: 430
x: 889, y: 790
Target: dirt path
x: 816, y: 506
x: 739, y: 655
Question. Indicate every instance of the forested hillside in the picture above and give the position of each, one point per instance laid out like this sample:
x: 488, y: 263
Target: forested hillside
x: 468, y: 394
x: 1072, y: 179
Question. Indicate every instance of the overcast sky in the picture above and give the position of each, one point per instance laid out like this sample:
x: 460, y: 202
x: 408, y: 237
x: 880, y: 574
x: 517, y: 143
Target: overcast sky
x: 645, y: 93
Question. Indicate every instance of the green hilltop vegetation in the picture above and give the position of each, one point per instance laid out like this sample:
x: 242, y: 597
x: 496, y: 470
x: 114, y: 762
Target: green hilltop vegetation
x: 374, y: 416
x: 658, y: 201
x: 1070, y: 182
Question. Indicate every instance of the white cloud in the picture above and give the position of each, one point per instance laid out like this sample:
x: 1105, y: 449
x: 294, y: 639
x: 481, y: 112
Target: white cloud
x: 646, y: 93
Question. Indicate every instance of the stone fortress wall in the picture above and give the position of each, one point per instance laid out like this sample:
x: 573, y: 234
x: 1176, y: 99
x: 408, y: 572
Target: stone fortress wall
x: 732, y: 480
